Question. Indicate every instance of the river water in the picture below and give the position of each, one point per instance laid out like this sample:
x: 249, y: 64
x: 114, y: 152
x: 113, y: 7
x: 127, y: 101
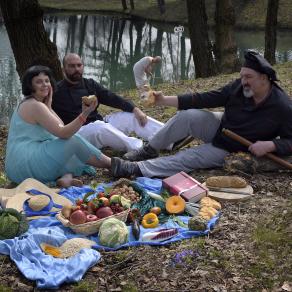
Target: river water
x: 109, y: 47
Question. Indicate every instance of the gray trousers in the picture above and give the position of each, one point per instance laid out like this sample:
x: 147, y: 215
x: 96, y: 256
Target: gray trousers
x: 200, y: 124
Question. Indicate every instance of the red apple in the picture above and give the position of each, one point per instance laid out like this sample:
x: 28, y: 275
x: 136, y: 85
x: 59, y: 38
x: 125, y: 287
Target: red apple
x: 90, y: 218
x: 78, y: 217
x: 103, y: 212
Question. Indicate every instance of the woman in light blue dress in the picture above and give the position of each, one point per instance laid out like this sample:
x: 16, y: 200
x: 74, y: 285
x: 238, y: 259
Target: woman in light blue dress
x: 39, y: 145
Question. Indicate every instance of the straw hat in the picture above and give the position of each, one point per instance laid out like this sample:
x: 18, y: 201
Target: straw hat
x: 15, y: 198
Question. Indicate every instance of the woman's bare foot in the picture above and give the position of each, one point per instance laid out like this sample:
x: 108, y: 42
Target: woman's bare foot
x: 67, y: 181
x: 76, y: 182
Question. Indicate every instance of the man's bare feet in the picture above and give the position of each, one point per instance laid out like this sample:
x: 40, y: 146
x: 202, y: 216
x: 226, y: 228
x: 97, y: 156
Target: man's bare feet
x: 67, y: 181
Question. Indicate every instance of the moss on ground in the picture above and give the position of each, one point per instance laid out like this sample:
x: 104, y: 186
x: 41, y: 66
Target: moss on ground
x: 272, y: 238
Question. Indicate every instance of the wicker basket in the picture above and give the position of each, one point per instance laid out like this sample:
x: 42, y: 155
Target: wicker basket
x: 91, y: 227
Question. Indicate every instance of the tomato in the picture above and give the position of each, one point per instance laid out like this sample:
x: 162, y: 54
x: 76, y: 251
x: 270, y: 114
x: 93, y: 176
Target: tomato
x: 79, y: 202
x: 91, y: 207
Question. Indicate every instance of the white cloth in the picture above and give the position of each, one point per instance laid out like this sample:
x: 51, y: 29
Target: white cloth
x: 114, y: 130
x: 139, y: 71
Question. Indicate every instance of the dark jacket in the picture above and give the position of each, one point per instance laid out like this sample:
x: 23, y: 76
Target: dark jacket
x: 67, y: 101
x: 270, y: 120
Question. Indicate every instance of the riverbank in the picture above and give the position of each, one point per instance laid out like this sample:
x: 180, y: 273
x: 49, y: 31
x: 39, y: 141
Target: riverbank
x: 249, y: 250
x: 249, y: 14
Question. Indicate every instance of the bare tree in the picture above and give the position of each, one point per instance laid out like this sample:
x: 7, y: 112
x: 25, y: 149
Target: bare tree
x: 182, y: 58
x: 29, y: 40
x: 271, y: 30
x: 200, y: 43
x: 161, y: 6
x: 225, y: 46
x: 132, y: 4
x: 124, y: 4
x: 83, y: 25
x: 139, y: 30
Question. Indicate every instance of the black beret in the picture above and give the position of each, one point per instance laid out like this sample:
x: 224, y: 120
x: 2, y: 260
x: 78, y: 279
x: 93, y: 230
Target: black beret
x: 257, y: 62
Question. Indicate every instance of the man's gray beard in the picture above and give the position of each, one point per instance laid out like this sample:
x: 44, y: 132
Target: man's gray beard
x: 247, y: 92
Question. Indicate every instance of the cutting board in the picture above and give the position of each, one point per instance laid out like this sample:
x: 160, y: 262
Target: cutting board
x: 231, y: 197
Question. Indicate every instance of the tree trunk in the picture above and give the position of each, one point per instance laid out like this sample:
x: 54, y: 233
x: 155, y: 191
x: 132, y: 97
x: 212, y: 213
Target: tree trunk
x: 271, y: 31
x: 124, y: 4
x: 132, y: 4
x: 158, y: 52
x: 82, y: 33
x: 113, y: 71
x: 201, y: 46
x: 182, y: 58
x: 121, y: 31
x: 28, y: 38
x: 225, y: 46
x: 139, y: 30
x: 161, y: 6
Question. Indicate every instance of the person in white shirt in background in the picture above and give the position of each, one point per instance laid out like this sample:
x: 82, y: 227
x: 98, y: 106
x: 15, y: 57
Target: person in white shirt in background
x: 143, y: 71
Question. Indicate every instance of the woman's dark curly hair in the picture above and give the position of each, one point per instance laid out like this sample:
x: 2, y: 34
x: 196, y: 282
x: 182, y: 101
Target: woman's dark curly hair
x: 31, y: 72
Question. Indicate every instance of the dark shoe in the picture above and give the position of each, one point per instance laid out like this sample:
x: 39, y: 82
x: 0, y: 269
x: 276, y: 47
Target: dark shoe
x: 144, y: 153
x: 181, y: 143
x: 122, y: 168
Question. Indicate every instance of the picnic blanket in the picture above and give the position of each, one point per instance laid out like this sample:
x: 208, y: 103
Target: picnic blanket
x: 50, y: 272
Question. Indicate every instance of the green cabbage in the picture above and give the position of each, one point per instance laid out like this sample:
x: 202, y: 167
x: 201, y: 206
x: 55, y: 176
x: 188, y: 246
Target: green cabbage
x: 113, y: 233
x: 12, y: 223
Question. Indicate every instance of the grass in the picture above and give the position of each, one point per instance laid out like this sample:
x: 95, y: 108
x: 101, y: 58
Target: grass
x: 250, y: 14
x: 130, y: 287
x: 272, y: 239
x: 5, y: 289
x: 85, y: 286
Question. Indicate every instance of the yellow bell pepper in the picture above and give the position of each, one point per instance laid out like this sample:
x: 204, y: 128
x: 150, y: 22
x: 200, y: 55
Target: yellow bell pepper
x: 150, y: 220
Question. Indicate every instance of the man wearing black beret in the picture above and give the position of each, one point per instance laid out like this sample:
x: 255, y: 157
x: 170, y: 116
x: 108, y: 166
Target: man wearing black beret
x: 256, y: 108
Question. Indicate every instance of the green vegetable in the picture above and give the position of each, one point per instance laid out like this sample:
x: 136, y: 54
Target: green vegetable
x: 179, y: 221
x: 113, y: 233
x: 197, y: 223
x: 12, y: 223
x: 126, y: 203
x: 155, y: 196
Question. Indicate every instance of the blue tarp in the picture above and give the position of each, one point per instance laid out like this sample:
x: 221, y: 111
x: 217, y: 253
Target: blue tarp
x: 50, y: 272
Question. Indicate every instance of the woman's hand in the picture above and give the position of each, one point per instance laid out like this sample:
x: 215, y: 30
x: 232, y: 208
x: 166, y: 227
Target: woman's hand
x: 48, y: 100
x: 87, y: 109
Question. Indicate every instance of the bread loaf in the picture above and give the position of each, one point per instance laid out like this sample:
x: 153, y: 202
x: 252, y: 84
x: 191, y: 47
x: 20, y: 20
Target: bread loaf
x: 208, y: 202
x: 207, y: 212
x: 149, y: 100
x: 88, y: 100
x: 226, y: 182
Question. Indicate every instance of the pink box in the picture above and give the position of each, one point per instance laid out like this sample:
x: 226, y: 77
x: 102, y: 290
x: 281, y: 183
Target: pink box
x: 186, y: 186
